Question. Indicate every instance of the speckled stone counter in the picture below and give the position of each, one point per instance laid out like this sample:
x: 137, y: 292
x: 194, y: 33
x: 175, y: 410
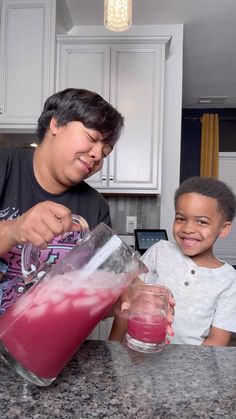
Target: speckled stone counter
x: 108, y: 380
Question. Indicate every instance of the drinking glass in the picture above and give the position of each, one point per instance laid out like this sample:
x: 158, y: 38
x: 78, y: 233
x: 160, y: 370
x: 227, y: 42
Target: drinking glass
x: 147, y: 321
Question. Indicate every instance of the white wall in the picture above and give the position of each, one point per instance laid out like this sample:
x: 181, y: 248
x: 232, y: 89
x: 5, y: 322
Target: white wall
x: 225, y: 248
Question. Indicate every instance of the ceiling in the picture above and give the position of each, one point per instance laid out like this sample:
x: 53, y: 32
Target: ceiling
x: 209, y: 66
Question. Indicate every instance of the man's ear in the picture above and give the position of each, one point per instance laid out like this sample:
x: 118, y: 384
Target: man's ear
x: 225, y: 229
x: 53, y: 126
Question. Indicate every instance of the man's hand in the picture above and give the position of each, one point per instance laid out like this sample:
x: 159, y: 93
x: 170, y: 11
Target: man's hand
x: 39, y: 225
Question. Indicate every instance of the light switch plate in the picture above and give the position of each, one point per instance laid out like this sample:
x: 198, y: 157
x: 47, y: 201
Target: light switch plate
x: 131, y: 224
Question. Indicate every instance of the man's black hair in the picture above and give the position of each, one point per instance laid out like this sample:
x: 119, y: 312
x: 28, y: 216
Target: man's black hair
x: 84, y: 106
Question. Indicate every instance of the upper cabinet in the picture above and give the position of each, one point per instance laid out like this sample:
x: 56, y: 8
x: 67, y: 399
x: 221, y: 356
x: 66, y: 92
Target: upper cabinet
x: 27, y: 50
x: 85, y: 66
x: 130, y: 75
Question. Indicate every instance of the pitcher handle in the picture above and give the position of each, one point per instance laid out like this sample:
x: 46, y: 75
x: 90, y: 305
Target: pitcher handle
x: 30, y: 256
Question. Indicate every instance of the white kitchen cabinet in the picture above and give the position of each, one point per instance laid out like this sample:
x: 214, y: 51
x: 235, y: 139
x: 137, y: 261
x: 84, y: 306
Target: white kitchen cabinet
x: 27, y: 52
x: 85, y: 66
x: 130, y: 75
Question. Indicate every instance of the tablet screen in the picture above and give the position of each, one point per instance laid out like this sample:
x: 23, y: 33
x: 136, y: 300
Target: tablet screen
x: 146, y: 238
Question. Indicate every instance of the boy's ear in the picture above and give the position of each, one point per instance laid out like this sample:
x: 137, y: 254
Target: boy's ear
x: 225, y: 229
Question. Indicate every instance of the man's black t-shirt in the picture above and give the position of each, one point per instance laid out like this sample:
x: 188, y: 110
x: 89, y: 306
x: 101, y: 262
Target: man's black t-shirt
x: 20, y: 191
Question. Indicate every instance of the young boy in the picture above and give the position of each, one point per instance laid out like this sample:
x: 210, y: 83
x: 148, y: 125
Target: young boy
x: 203, y: 286
x: 39, y: 190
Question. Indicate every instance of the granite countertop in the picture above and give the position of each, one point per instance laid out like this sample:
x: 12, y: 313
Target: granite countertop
x: 109, y: 380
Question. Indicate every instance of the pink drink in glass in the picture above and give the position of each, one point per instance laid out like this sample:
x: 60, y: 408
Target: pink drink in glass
x: 150, y: 330
x: 47, y: 325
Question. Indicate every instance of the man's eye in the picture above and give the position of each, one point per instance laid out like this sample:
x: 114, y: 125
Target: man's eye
x: 91, y: 139
x: 106, y: 151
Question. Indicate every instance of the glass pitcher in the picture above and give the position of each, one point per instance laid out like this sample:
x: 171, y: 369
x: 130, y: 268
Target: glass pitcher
x: 44, y: 328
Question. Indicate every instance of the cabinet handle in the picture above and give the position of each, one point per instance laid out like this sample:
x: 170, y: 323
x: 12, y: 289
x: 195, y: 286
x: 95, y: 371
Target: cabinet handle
x: 0, y: 111
x: 111, y: 177
x: 104, y: 178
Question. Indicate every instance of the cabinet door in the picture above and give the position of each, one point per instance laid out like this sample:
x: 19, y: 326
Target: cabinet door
x: 137, y: 84
x: 85, y: 66
x: 26, y: 60
x: 131, y: 77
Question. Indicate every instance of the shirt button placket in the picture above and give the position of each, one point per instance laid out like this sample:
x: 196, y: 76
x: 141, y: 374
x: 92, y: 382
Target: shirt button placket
x: 187, y: 283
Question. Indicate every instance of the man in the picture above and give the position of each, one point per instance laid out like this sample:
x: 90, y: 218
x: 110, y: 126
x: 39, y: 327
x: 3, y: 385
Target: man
x: 39, y: 190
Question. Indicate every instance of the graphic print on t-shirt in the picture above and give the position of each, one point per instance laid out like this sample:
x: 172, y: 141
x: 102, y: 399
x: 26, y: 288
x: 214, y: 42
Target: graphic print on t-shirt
x: 11, y: 280
x: 9, y: 214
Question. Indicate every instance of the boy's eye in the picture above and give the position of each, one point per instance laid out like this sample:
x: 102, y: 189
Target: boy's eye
x: 202, y: 222
x: 178, y: 218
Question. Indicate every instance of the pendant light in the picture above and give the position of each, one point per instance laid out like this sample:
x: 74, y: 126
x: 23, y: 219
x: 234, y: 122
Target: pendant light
x: 117, y: 14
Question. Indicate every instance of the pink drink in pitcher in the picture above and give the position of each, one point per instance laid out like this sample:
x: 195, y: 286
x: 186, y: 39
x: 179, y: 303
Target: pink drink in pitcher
x: 151, y: 331
x: 44, y: 328
x: 54, y: 312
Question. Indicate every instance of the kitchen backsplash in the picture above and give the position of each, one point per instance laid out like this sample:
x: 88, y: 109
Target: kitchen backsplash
x: 146, y: 208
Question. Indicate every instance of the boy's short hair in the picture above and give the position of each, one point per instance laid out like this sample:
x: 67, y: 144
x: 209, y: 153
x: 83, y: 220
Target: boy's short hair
x: 213, y: 188
x: 84, y: 106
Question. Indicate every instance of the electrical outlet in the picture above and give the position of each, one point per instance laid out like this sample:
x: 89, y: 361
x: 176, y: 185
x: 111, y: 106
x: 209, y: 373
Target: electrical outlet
x: 131, y: 223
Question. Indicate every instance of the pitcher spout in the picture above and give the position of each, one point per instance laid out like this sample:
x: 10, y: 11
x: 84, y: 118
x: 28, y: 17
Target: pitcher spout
x: 137, y: 267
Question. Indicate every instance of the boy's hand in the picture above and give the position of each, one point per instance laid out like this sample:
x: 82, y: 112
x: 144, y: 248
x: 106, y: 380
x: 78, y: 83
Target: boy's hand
x: 121, y: 309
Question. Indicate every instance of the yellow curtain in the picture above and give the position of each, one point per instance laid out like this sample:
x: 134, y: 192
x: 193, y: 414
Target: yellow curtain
x: 209, y: 146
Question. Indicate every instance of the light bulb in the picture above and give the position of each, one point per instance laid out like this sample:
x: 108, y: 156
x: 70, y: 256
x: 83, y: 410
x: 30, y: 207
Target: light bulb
x: 117, y: 14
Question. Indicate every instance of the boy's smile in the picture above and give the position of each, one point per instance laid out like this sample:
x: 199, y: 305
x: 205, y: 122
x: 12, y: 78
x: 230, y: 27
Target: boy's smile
x: 198, y: 223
